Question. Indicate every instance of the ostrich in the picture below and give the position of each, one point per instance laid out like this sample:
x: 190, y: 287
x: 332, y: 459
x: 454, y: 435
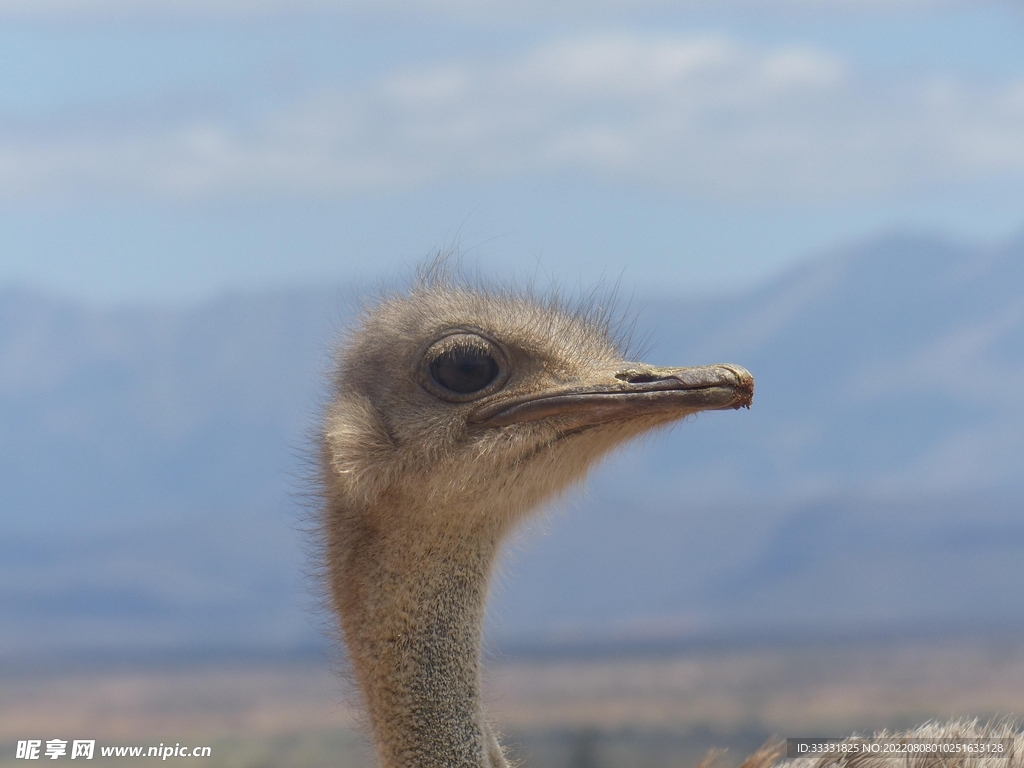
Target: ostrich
x: 455, y: 412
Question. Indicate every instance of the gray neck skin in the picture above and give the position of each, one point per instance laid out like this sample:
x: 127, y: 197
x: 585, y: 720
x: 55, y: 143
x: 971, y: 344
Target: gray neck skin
x: 412, y: 609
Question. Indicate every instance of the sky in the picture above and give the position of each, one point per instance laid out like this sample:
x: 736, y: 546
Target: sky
x: 170, y: 150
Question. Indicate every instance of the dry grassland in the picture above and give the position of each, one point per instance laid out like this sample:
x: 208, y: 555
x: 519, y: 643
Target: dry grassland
x: 627, y: 710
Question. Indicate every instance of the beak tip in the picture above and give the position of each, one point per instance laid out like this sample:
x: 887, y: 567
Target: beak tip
x: 744, y: 387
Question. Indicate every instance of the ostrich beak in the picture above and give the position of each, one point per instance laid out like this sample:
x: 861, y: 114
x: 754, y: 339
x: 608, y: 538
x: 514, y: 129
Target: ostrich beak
x: 629, y: 391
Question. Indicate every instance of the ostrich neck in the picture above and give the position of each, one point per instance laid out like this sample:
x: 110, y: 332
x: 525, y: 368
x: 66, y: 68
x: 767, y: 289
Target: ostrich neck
x: 411, y: 604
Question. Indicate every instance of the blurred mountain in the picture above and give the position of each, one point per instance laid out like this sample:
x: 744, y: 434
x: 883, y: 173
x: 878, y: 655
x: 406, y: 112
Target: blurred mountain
x: 876, y: 482
x: 152, y: 465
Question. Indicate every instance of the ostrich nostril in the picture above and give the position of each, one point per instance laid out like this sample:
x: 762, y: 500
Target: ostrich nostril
x: 637, y: 376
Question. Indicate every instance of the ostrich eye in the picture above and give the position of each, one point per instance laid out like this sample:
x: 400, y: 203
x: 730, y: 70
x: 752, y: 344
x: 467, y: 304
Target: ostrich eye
x: 464, y: 370
x: 462, y: 365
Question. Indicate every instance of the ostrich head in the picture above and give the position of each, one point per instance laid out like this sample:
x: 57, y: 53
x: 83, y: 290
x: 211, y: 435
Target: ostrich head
x: 455, y: 412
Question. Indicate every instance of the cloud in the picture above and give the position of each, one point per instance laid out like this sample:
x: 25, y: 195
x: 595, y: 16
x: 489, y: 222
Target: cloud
x: 705, y: 116
x: 480, y: 9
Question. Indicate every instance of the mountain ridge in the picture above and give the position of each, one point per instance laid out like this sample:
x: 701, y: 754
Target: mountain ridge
x: 147, y: 457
